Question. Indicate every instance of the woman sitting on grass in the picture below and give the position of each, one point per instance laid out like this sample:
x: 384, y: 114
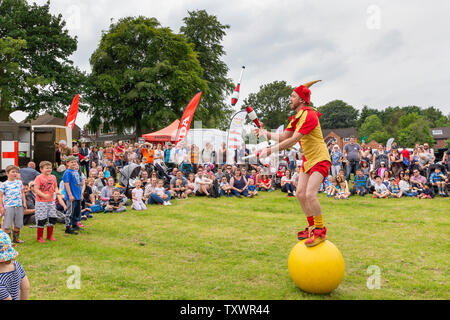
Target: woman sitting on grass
x: 406, y: 188
x: 239, y: 184
x: 287, y: 184
x: 266, y: 183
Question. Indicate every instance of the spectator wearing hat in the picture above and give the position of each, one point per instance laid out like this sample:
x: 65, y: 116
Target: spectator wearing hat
x: 14, y: 284
x: 73, y: 187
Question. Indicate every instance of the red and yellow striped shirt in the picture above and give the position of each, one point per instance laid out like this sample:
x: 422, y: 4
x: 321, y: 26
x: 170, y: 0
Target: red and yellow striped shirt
x: 306, y: 122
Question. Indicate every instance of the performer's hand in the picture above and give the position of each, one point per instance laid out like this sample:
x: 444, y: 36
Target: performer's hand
x: 264, y: 153
x: 260, y: 131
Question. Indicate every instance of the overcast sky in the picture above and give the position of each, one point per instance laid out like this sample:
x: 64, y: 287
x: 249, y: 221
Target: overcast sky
x: 374, y: 53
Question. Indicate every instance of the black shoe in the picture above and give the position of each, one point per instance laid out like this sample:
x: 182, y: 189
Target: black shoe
x: 75, y: 228
x: 69, y: 230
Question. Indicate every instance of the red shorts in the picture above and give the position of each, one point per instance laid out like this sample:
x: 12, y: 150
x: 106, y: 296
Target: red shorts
x: 322, y: 167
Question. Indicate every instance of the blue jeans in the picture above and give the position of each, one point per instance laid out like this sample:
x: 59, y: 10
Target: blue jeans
x: 288, y: 187
x: 155, y: 199
x: 243, y: 193
x: 351, y: 166
x: 75, y: 215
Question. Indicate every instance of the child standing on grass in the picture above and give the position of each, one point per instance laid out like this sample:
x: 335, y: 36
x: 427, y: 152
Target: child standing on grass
x: 12, y: 203
x: 14, y: 284
x: 45, y: 187
x: 137, y: 195
x: 73, y: 188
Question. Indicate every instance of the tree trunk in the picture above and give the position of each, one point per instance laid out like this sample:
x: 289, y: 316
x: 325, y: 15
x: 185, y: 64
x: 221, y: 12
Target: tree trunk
x: 4, y: 110
x: 138, y: 128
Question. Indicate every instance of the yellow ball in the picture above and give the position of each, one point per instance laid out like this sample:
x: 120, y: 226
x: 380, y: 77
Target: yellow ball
x: 318, y: 269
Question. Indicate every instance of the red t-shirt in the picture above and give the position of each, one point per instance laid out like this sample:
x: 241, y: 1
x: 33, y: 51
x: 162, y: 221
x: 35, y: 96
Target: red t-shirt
x: 266, y: 182
x: 406, y: 154
x: 47, y: 185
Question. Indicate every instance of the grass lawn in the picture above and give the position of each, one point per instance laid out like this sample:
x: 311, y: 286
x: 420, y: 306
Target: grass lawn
x: 238, y: 249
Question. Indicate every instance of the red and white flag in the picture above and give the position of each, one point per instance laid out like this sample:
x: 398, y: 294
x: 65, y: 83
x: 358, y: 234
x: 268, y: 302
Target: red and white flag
x: 10, y: 153
x: 235, y: 97
x: 73, y: 111
x: 185, y: 123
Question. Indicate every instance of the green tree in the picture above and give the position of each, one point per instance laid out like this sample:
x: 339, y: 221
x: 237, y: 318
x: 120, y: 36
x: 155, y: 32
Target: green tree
x: 414, y: 128
x: 364, y: 114
x: 271, y: 103
x: 143, y: 76
x: 338, y: 114
x: 206, y: 33
x: 371, y: 124
x: 36, y: 67
x: 435, y: 117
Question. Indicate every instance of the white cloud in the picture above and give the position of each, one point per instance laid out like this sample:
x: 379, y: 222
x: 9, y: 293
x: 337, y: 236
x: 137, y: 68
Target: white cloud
x: 401, y: 61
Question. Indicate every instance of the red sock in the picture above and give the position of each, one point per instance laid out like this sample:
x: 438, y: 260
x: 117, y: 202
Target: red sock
x: 310, y: 220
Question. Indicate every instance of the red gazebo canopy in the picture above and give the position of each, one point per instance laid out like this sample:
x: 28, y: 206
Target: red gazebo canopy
x: 169, y: 133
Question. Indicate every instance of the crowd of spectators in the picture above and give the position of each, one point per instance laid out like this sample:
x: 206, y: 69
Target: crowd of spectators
x: 396, y: 173
x: 168, y: 173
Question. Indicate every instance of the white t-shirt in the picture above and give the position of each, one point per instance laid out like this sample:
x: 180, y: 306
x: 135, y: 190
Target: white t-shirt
x: 197, y: 182
x: 284, y: 178
x: 158, y: 156
x: 380, y: 188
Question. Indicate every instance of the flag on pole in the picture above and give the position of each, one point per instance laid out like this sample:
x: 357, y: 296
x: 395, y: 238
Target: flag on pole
x: 235, y: 97
x: 185, y: 123
x: 73, y: 111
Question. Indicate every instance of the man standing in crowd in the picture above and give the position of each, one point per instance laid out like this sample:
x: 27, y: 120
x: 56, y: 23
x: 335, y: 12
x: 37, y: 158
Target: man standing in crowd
x: 29, y: 173
x: 84, y: 151
x: 169, y: 156
x: 352, y: 157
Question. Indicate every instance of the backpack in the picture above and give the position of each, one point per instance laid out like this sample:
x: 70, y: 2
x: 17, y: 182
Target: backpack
x: 215, y: 189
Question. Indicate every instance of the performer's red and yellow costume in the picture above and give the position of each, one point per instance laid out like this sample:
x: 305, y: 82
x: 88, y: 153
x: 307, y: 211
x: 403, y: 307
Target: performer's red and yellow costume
x: 315, y: 153
x: 316, y: 157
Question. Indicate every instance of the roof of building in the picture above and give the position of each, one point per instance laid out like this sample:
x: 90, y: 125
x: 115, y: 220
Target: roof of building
x: 440, y: 133
x: 341, y: 132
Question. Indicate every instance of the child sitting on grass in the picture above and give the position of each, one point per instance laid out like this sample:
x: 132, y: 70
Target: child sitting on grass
x: 179, y: 189
x: 438, y: 179
x: 427, y: 192
x: 161, y: 192
x: 331, y: 190
x: 394, y: 189
x: 381, y: 191
x: 137, y: 195
x: 115, y: 203
x: 225, y: 188
x: 251, y: 189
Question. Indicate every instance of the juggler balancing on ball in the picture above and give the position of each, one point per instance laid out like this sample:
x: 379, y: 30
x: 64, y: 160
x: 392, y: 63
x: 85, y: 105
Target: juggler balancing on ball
x: 304, y: 127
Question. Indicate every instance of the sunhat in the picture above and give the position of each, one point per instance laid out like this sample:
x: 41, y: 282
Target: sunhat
x: 7, y: 252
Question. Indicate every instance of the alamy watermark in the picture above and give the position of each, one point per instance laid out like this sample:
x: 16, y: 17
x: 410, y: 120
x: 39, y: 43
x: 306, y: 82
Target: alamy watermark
x: 74, y: 280
x: 374, y: 279
x: 373, y: 21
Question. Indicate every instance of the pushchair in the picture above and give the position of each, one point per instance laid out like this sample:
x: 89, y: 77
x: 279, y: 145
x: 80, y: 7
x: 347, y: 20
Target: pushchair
x: 163, y: 173
x: 128, y: 176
